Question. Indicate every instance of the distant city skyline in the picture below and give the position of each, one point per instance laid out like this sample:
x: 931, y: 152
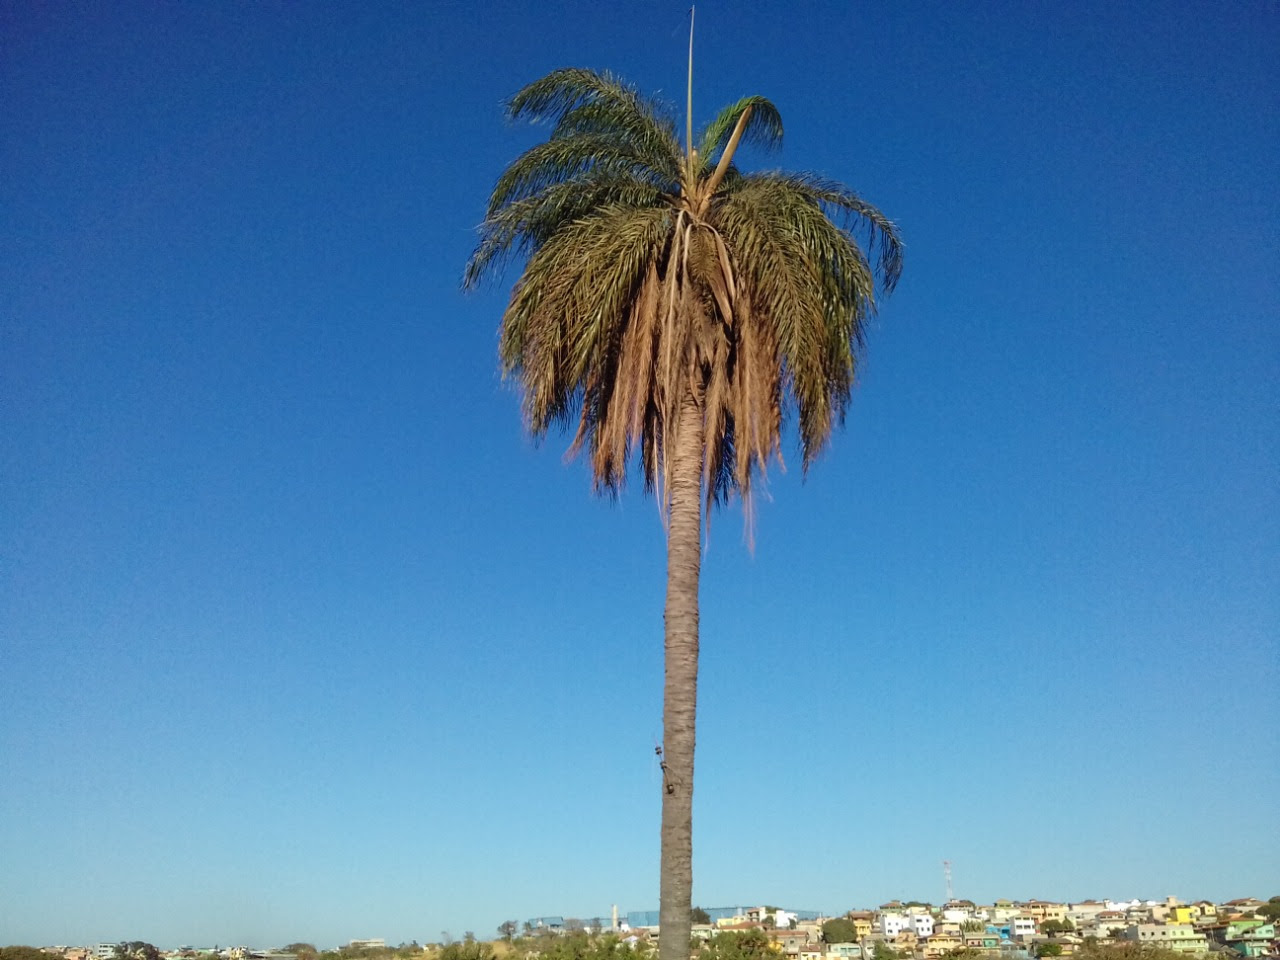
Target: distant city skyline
x: 648, y: 918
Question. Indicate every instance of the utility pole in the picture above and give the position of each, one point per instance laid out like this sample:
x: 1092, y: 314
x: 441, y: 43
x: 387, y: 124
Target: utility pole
x: 946, y: 875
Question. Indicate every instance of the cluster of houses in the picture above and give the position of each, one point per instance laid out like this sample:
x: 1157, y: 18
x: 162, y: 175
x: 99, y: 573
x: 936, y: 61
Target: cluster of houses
x: 1007, y: 929
x: 108, y: 951
x: 1004, y: 930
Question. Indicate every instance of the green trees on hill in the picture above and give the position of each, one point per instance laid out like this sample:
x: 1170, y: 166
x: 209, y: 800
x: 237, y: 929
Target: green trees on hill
x: 136, y: 950
x: 574, y: 946
x: 405, y: 951
x: 738, y: 945
x: 839, y: 930
x: 466, y: 950
x: 1091, y: 949
x: 23, y: 953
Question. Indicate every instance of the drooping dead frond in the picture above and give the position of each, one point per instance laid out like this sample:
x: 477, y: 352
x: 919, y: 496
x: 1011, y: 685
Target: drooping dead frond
x: 569, y: 307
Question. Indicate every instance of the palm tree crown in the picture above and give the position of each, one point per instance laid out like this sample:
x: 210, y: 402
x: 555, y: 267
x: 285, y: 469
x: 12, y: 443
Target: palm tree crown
x: 655, y: 273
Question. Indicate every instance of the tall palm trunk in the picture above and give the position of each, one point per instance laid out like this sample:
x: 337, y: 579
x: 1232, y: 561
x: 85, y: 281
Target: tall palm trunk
x: 680, y: 691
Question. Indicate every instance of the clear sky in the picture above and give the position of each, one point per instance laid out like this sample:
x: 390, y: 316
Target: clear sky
x: 302, y: 639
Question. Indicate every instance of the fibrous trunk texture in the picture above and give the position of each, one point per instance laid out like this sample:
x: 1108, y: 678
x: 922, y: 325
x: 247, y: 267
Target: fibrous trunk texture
x: 680, y: 690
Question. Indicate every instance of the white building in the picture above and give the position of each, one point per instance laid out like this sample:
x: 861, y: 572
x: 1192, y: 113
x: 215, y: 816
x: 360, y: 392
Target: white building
x: 1022, y: 926
x: 892, y: 924
x: 922, y: 924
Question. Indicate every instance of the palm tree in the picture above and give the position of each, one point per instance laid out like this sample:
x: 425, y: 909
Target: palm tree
x: 678, y: 309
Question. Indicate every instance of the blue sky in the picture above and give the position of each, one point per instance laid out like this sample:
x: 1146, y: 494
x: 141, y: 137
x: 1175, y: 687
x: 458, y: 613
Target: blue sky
x: 303, y: 639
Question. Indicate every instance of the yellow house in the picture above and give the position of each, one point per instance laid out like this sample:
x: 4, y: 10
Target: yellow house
x: 1042, y: 910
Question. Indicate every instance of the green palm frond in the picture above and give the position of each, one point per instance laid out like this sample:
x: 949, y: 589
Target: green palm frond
x: 560, y: 91
x: 609, y: 146
x: 559, y: 160
x: 846, y: 207
x: 522, y: 226
x: 646, y: 132
x: 584, y: 101
x: 763, y: 128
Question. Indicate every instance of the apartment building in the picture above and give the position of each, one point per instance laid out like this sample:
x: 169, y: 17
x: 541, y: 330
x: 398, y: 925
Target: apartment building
x: 1040, y: 910
x: 1179, y: 937
x: 1022, y: 927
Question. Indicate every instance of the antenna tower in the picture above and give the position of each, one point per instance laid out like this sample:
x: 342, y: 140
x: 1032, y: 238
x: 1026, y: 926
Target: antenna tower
x: 946, y: 875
